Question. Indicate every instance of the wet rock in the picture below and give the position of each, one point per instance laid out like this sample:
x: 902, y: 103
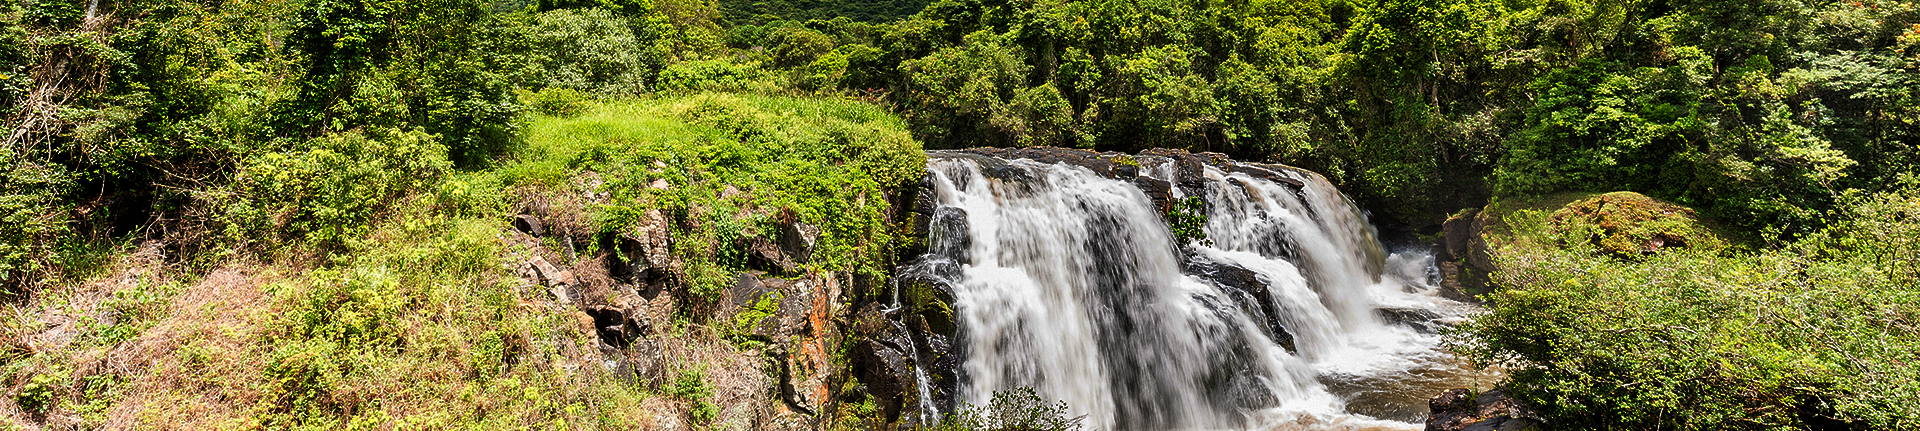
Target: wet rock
x: 529, y: 225
x: 1265, y: 173
x: 1054, y: 155
x: 1461, y: 410
x: 1423, y: 321
x: 1161, y: 192
x: 953, y: 238
x: 880, y: 360
x: 1248, y: 292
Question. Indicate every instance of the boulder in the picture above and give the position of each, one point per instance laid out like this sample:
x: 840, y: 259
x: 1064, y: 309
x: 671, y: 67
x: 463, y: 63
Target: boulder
x: 1458, y: 233
x: 881, y: 360
x: 1461, y: 410
x: 645, y: 249
x: 1248, y: 292
x: 797, y: 241
x: 763, y: 254
x: 747, y: 289
x: 1423, y: 321
x: 529, y: 224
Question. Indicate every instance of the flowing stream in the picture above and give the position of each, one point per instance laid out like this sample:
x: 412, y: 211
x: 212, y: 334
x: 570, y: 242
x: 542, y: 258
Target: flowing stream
x: 1070, y: 282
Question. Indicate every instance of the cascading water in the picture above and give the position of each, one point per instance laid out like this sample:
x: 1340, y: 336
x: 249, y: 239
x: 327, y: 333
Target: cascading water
x: 1069, y: 282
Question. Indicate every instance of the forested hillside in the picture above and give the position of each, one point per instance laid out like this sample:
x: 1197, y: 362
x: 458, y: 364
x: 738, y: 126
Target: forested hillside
x: 296, y: 213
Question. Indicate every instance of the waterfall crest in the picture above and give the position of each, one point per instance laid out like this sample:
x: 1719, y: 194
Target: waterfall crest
x: 1068, y: 281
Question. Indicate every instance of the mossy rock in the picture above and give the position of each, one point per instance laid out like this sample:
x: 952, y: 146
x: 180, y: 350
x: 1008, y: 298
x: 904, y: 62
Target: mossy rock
x: 1630, y: 225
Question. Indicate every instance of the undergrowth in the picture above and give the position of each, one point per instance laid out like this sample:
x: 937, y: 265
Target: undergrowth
x: 724, y: 166
x: 1815, y: 334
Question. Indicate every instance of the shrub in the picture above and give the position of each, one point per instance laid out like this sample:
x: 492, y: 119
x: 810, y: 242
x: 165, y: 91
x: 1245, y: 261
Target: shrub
x: 1813, y: 335
x: 691, y: 385
x: 327, y: 193
x: 559, y: 102
x: 1012, y: 410
x: 32, y: 208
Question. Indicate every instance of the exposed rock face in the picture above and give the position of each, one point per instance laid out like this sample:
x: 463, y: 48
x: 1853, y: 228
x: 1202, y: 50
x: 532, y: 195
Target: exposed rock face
x: 1459, y: 410
x: 798, y: 239
x: 802, y: 337
x: 880, y: 358
x: 1423, y: 321
x: 1459, y: 231
x: 1247, y: 291
x: 647, y: 259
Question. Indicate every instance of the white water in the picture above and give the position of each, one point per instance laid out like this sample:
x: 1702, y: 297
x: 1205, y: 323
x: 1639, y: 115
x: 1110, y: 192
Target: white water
x: 1072, y: 285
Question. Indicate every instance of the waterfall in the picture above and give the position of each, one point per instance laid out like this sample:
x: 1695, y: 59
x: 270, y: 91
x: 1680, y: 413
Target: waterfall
x: 1069, y: 282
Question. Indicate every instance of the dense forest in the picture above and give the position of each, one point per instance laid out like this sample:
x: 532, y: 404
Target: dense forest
x: 353, y: 160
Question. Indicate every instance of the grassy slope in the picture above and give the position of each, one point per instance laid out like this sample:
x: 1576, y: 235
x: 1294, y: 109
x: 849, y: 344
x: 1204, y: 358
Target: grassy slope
x: 418, y: 323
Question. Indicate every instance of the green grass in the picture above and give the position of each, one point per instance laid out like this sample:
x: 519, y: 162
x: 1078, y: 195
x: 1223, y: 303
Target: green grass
x: 365, y: 282
x: 827, y: 162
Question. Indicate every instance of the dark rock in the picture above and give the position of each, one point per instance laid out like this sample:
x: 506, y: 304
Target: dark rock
x: 1460, y: 230
x: 529, y: 224
x: 1479, y: 253
x: 881, y: 360
x: 798, y: 239
x: 1161, y: 192
x: 1054, y: 155
x: 764, y: 255
x: 1248, y: 292
x: 1423, y: 321
x: 747, y: 289
x: 1258, y: 171
x: 953, y: 237
x: 1460, y: 410
x: 929, y: 295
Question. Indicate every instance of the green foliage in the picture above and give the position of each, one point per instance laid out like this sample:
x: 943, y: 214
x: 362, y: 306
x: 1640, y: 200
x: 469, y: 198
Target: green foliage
x: 1188, y: 220
x: 1815, y: 334
x: 328, y: 193
x: 824, y: 162
x: 691, y: 385
x: 1012, y: 410
x: 39, y: 393
x: 589, y: 50
x: 559, y: 102
x: 1628, y: 225
x: 715, y: 75
x: 30, y: 204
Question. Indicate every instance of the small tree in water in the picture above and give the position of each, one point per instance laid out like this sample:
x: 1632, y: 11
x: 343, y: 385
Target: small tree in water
x: 1188, y: 220
x: 1012, y: 410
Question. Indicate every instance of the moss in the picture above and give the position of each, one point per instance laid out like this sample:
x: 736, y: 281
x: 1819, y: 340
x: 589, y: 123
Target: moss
x: 1628, y: 225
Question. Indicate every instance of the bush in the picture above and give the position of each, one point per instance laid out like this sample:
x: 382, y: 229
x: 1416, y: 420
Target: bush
x: 327, y: 193
x: 559, y: 102
x: 1817, y: 334
x: 716, y: 75
x: 1628, y: 224
x: 32, y: 208
x: 588, y: 50
x: 1012, y: 410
